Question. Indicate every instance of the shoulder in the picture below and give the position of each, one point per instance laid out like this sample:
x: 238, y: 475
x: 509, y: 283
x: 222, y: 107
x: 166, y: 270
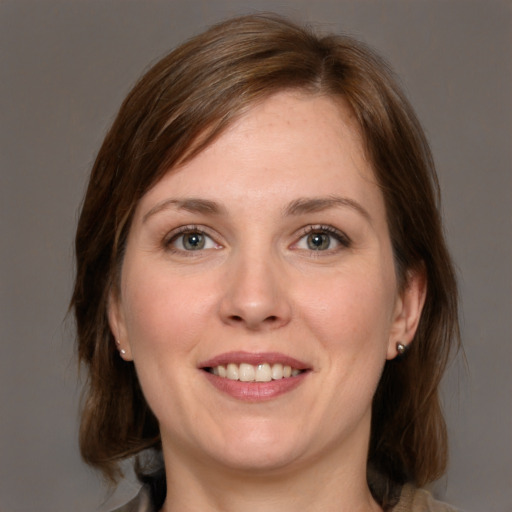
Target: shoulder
x: 413, y: 499
x: 141, y: 503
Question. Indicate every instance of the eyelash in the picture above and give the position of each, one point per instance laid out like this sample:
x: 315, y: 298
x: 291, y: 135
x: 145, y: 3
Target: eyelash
x: 172, y: 237
x: 338, y: 235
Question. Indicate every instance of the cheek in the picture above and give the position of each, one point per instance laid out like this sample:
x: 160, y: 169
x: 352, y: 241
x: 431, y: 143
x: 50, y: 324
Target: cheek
x: 350, y: 311
x: 163, y: 312
x: 165, y: 320
x: 350, y: 315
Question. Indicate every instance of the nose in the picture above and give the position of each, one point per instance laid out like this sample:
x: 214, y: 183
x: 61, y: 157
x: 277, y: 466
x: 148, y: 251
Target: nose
x: 255, y: 294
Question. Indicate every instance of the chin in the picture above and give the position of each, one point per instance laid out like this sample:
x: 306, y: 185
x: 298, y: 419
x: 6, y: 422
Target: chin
x: 258, y: 458
x: 261, y: 446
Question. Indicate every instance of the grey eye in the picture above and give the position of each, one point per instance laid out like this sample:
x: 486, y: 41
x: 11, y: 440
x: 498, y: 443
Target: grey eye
x: 322, y: 239
x: 193, y: 241
x: 318, y: 241
x: 189, y: 241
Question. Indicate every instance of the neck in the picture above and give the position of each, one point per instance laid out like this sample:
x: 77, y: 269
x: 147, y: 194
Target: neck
x: 325, y: 484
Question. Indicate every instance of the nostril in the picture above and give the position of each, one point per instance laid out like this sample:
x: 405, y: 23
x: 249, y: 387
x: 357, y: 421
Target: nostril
x: 269, y: 319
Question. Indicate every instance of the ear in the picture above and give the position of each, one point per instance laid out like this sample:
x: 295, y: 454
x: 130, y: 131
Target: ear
x: 118, y: 326
x: 409, y: 306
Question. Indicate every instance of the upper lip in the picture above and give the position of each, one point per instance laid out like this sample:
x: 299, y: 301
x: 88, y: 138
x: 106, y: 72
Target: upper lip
x: 253, y: 358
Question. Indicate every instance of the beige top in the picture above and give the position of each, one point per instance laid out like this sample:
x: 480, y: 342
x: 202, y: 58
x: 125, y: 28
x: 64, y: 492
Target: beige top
x: 420, y: 500
x: 411, y: 500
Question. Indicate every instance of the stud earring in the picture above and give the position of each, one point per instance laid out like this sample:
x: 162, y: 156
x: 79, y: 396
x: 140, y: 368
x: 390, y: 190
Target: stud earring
x: 122, y: 351
x: 400, y: 348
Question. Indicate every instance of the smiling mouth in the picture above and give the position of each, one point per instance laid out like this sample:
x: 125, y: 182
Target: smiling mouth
x: 246, y: 372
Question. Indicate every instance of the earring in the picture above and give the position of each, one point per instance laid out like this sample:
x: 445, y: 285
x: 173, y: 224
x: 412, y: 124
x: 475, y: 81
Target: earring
x: 400, y: 348
x: 122, y: 351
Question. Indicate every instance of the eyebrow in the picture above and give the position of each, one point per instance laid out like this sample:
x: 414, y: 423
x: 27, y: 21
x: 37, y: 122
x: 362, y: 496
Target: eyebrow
x: 318, y: 204
x: 299, y: 206
x: 190, y: 204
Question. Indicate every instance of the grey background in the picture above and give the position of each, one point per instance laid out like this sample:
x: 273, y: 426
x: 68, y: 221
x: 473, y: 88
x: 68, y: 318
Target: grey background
x: 64, y: 69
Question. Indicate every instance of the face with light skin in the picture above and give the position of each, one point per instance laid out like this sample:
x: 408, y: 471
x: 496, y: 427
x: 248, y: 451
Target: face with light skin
x: 273, y: 240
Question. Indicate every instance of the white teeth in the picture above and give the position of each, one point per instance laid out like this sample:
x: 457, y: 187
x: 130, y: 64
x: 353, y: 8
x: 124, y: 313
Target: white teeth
x: 246, y: 372
x: 277, y: 371
x: 261, y: 373
x: 232, y: 371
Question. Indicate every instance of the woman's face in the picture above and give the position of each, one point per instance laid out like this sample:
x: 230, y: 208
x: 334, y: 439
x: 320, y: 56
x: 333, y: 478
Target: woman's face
x: 258, y: 295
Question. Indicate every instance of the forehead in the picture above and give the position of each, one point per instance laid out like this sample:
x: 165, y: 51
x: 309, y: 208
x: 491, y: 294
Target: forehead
x: 290, y: 144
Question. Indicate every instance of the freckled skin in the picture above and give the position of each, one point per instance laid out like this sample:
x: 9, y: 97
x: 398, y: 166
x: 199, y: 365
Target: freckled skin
x: 257, y: 287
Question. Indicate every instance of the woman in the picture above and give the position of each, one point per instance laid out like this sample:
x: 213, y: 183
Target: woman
x: 264, y: 298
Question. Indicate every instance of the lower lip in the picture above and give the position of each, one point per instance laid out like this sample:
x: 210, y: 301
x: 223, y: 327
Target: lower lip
x: 255, y: 391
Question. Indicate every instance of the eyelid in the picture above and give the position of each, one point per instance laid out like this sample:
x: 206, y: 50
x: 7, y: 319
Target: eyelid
x: 174, y: 234
x: 342, y: 238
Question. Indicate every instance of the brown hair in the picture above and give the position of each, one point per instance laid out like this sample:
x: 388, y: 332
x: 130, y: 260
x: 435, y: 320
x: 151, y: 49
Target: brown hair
x: 179, y: 107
